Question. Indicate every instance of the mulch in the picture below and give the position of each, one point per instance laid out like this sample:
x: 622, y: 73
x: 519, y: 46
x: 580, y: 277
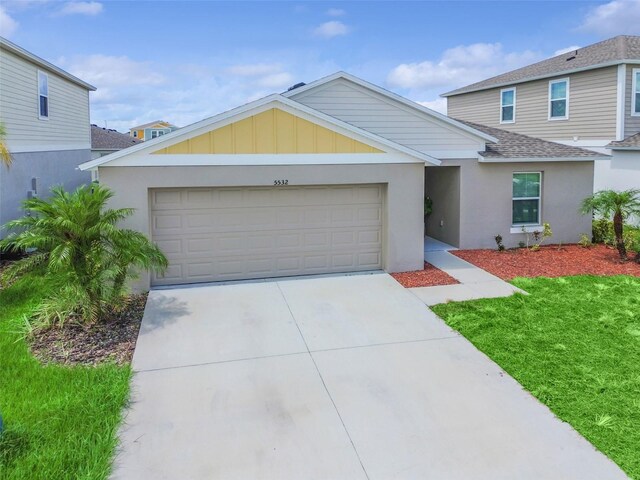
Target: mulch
x: 551, y: 261
x: 111, y: 340
x: 429, y: 277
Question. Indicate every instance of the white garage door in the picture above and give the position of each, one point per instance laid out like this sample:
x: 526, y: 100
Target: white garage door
x: 216, y: 234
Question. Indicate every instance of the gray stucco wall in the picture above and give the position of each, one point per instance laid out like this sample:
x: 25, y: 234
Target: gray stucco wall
x: 442, y: 184
x: 403, y: 242
x: 50, y: 168
x: 486, y: 200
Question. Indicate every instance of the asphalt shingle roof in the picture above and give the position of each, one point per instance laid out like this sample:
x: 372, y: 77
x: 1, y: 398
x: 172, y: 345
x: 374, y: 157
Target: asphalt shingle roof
x: 617, y: 49
x: 516, y: 145
x: 632, y: 142
x: 107, y: 139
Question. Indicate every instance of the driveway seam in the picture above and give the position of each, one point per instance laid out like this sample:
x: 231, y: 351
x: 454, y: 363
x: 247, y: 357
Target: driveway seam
x: 401, y: 342
x: 335, y: 407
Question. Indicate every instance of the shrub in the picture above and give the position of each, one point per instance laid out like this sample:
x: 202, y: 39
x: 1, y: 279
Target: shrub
x: 602, y: 231
x: 585, y: 241
x: 76, y: 240
x: 537, y: 237
x: 498, y: 239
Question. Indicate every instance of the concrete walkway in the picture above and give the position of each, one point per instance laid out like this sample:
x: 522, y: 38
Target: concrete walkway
x: 475, y: 283
x: 347, y: 377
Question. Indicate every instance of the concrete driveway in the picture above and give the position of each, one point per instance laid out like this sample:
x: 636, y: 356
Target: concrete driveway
x: 347, y: 377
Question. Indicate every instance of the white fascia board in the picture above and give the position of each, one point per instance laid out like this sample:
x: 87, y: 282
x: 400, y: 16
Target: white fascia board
x: 454, y: 154
x: 195, y: 160
x: 47, y: 148
x: 632, y: 61
x: 625, y: 148
x: 253, y: 108
x: 393, y: 96
x: 482, y: 159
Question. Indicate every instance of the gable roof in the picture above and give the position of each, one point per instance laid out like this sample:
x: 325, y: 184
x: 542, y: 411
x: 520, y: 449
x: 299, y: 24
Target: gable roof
x: 520, y: 148
x: 227, y: 117
x: 40, y: 62
x: 614, y: 51
x: 107, y: 139
x: 150, y: 124
x: 630, y: 143
x: 391, y: 95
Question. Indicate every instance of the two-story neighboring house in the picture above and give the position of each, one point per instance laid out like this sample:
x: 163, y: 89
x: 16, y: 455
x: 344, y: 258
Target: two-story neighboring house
x: 151, y: 130
x: 45, y: 111
x: 587, y: 98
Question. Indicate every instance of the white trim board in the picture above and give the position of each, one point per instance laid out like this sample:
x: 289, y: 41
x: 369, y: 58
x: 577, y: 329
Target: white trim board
x: 253, y: 108
x: 620, y: 94
x: 542, y: 160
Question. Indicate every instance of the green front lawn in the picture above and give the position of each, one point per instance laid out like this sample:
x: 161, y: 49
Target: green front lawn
x: 60, y: 422
x: 574, y: 343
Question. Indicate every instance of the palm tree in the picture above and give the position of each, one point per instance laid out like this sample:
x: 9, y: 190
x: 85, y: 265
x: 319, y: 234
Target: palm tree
x: 77, y: 239
x: 5, y: 154
x: 619, y: 205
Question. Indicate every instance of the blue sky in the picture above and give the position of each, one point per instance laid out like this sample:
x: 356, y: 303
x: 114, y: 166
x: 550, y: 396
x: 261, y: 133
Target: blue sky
x: 182, y: 61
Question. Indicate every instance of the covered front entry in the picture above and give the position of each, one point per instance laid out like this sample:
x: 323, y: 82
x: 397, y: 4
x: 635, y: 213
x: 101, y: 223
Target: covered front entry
x: 235, y: 233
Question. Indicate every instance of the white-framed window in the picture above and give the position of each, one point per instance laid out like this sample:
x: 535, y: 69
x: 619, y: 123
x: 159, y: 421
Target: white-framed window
x: 559, y: 99
x: 135, y: 134
x: 508, y: 105
x: 43, y: 95
x: 635, y: 92
x: 157, y: 133
x: 527, y: 198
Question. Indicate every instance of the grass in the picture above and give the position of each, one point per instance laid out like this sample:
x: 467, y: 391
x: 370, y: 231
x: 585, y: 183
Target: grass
x: 574, y: 343
x: 60, y: 422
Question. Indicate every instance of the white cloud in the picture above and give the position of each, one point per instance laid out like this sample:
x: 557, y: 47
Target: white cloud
x: 254, y: 69
x: 81, y: 8
x: 8, y: 25
x: 111, y: 71
x: 336, y: 12
x: 572, y: 48
x: 331, y: 29
x: 439, y: 105
x: 617, y: 17
x: 459, y: 66
x: 276, y: 80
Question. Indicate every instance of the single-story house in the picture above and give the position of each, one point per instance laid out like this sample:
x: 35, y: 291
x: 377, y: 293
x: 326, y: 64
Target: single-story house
x: 331, y: 177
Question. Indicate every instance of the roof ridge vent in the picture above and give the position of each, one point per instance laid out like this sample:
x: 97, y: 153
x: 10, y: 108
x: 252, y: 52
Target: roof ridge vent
x: 297, y: 85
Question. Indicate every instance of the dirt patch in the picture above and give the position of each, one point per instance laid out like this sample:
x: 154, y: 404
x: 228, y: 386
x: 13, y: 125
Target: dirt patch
x: 429, y: 277
x: 112, y: 340
x: 551, y: 261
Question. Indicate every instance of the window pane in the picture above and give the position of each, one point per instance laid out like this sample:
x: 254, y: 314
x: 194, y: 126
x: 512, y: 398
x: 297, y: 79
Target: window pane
x: 507, y: 114
x: 558, y: 108
x: 526, y: 185
x: 44, y: 106
x: 558, y: 90
x: 43, y: 85
x: 637, y: 102
x: 525, y: 211
x: 507, y: 97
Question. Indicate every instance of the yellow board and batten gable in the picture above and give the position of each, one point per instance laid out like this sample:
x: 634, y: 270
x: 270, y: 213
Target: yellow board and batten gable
x: 269, y: 132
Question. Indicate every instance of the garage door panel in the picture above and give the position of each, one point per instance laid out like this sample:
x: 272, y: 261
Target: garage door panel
x: 211, y: 234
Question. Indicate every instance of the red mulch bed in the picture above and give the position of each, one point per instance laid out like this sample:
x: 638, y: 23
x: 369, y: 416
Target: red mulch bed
x: 429, y: 277
x: 551, y: 261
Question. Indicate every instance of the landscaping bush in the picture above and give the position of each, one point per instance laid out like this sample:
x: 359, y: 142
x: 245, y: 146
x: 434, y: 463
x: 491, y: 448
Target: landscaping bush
x: 76, y: 241
x: 602, y: 231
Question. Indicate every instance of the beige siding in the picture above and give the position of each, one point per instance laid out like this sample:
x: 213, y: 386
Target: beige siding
x: 631, y: 122
x: 592, y: 107
x: 374, y: 113
x: 68, y: 126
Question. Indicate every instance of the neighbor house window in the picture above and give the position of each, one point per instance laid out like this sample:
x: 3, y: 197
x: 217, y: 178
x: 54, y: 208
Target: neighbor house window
x: 559, y: 99
x: 508, y: 105
x: 526, y: 198
x: 635, y: 93
x: 43, y: 95
x: 135, y: 134
x: 157, y: 133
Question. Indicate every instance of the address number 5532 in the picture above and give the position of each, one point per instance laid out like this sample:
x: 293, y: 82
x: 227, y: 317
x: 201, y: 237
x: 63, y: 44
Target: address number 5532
x: 281, y: 182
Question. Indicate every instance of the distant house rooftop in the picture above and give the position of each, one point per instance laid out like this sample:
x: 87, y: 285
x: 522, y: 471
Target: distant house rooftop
x: 151, y: 124
x: 108, y: 139
x: 614, y: 51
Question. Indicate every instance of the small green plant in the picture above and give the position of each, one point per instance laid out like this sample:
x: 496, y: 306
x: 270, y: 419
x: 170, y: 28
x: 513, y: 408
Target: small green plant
x: 585, y: 241
x: 498, y: 239
x: 521, y: 244
x: 76, y: 241
x: 602, y: 231
x: 536, y: 238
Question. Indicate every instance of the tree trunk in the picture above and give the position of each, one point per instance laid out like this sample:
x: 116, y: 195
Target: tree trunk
x: 618, y: 230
